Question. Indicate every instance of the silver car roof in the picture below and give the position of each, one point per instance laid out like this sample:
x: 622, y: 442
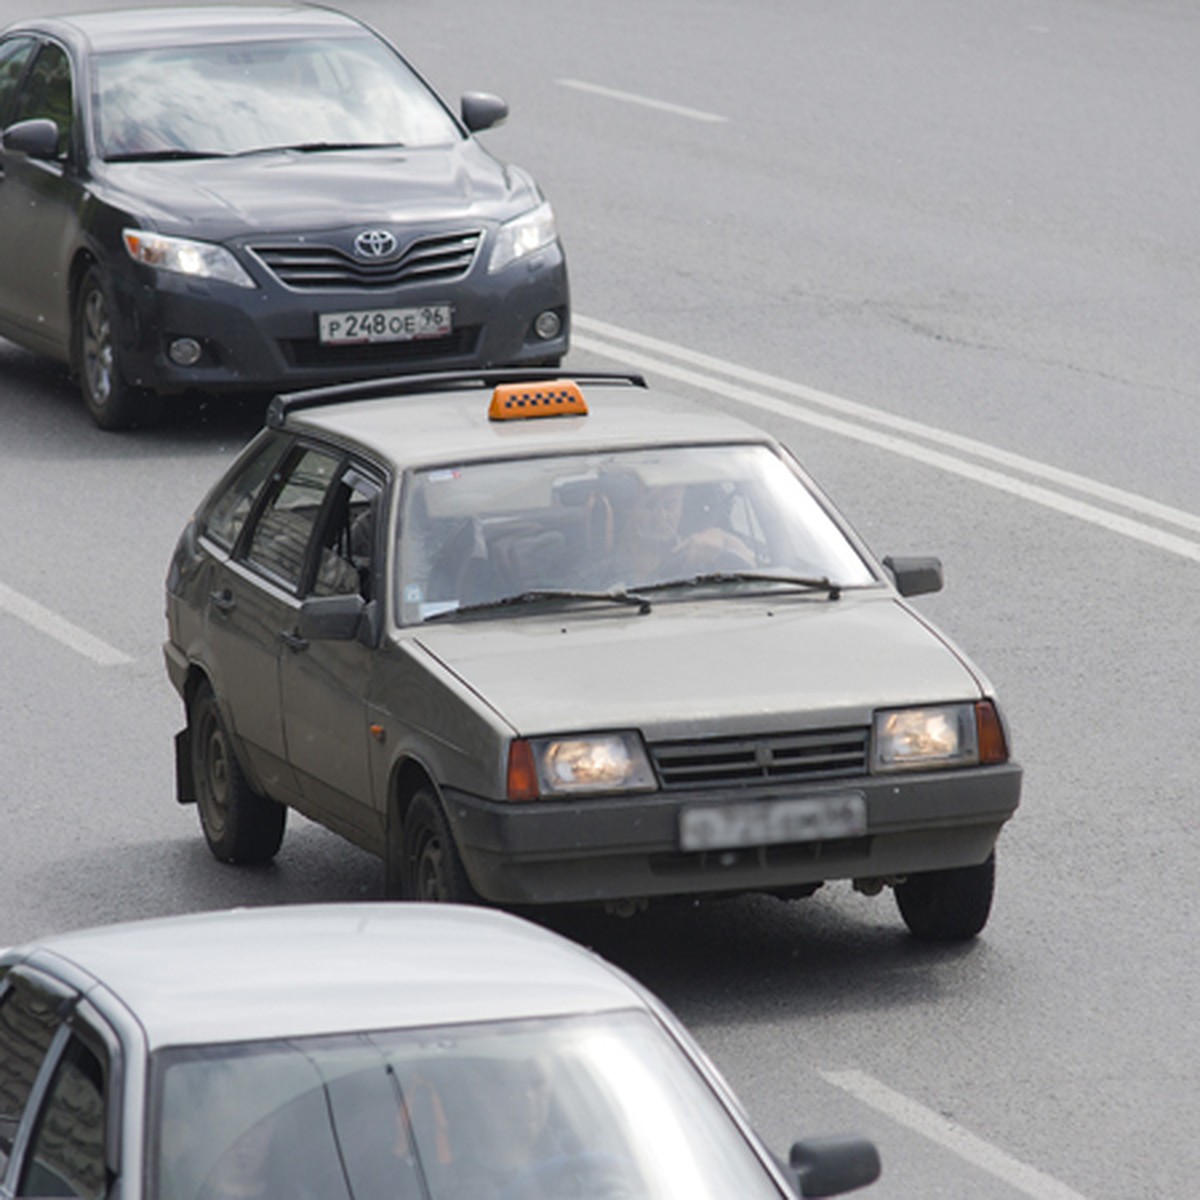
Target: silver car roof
x: 140, y: 28
x: 453, y: 426
x: 247, y: 974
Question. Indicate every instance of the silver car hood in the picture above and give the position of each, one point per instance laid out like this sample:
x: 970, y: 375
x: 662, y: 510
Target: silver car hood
x: 686, y: 669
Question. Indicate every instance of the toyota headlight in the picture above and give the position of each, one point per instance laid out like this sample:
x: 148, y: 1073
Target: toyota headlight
x: 944, y: 735
x: 520, y: 237
x: 200, y: 260
x: 568, y: 766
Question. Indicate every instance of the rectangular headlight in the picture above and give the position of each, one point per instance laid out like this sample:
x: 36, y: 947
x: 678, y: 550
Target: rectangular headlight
x: 591, y: 763
x: 942, y: 735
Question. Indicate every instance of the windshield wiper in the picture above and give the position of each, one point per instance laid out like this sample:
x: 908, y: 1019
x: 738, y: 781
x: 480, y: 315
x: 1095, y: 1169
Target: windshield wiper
x: 537, y: 595
x: 318, y: 147
x: 704, y: 579
x: 175, y: 155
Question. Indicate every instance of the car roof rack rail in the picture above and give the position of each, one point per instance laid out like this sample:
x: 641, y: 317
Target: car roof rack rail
x: 433, y: 381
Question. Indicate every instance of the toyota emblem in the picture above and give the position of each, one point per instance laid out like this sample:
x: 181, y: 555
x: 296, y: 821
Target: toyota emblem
x: 374, y: 243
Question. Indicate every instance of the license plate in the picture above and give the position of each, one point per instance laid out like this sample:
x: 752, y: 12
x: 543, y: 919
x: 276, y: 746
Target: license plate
x: 770, y: 822
x: 384, y: 325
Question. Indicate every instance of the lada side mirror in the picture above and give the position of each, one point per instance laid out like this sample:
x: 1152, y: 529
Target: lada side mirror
x: 915, y: 576
x: 333, y: 618
x: 38, y: 138
x: 829, y: 1166
x: 482, y: 110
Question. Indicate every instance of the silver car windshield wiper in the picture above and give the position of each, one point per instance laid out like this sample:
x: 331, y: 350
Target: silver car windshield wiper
x: 318, y: 147
x: 707, y: 578
x: 173, y: 155
x: 540, y: 595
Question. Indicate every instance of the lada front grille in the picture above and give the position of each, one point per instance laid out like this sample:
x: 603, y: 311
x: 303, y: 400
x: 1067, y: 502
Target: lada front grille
x: 310, y: 267
x: 772, y: 758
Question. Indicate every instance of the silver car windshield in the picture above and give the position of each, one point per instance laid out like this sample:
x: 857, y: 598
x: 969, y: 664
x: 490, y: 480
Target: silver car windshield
x: 246, y: 97
x: 480, y: 533
x: 530, y: 1110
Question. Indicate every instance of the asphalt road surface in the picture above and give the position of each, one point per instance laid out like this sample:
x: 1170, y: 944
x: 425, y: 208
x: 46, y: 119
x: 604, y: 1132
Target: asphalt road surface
x: 948, y: 253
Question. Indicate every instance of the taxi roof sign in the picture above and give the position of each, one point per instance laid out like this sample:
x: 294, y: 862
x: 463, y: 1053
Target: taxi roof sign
x: 543, y: 398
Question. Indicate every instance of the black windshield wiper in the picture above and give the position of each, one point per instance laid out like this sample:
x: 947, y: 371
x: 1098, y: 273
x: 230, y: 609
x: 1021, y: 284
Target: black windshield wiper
x: 807, y: 583
x: 318, y: 147
x: 175, y: 155
x: 538, y: 595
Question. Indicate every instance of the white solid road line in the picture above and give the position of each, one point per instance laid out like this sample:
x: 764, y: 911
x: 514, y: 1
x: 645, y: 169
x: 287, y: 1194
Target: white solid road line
x: 951, y: 1136
x: 857, y: 421
x: 678, y: 110
x: 60, y: 629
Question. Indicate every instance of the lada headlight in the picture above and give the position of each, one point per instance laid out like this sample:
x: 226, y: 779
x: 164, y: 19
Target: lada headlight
x: 520, y: 237
x: 569, y: 766
x: 943, y: 735
x: 200, y: 260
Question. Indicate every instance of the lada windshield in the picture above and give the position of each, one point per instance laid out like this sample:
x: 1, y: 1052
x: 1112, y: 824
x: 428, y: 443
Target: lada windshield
x: 531, y: 1110
x: 479, y: 533
x: 243, y: 97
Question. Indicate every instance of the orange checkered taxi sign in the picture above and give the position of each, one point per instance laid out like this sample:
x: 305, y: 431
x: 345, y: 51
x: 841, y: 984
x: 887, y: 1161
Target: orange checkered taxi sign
x: 547, y: 398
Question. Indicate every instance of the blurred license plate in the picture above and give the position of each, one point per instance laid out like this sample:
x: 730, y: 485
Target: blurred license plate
x: 384, y: 325
x: 769, y: 822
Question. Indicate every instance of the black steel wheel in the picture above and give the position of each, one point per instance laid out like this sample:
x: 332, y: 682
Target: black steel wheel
x: 239, y: 825
x: 948, y: 906
x: 112, y: 402
x: 433, y: 868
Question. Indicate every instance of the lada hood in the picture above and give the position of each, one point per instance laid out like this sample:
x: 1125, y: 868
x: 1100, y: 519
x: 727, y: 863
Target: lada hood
x: 713, y: 666
x: 219, y: 199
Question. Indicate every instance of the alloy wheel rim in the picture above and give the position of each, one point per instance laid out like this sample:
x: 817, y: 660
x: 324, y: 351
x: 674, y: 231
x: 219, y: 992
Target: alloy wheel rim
x: 97, y: 347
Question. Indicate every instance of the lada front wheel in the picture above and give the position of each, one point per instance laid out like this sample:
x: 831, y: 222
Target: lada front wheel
x: 948, y: 906
x: 239, y: 825
x: 433, y: 867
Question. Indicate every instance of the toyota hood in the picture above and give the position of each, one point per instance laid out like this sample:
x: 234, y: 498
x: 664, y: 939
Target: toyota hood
x: 685, y: 669
x: 226, y: 198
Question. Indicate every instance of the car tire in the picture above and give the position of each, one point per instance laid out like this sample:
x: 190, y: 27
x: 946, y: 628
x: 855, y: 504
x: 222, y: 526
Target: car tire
x: 112, y: 402
x: 239, y: 825
x: 948, y: 906
x: 433, y: 868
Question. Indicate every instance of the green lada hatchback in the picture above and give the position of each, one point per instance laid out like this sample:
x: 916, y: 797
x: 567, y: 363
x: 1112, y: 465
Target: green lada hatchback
x: 536, y: 640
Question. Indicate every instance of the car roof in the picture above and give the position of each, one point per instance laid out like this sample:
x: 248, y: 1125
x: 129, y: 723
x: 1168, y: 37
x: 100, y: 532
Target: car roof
x: 255, y: 973
x: 427, y: 428
x: 138, y: 28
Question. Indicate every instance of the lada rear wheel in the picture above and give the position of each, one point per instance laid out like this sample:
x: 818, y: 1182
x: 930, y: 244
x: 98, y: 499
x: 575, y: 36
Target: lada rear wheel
x: 948, y: 906
x: 432, y: 865
x: 112, y: 402
x: 239, y: 825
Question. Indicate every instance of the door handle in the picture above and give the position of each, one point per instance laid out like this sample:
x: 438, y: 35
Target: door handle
x: 223, y: 601
x: 292, y: 640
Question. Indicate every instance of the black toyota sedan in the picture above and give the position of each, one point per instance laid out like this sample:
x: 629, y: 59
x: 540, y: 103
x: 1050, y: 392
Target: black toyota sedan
x: 251, y: 198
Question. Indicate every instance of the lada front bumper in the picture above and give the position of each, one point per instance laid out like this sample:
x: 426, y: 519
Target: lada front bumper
x: 628, y: 847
